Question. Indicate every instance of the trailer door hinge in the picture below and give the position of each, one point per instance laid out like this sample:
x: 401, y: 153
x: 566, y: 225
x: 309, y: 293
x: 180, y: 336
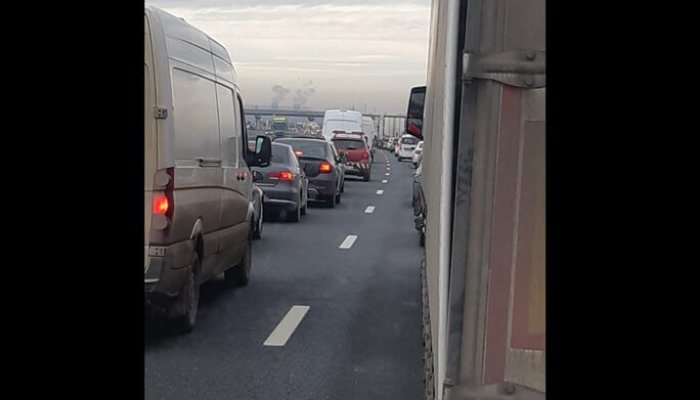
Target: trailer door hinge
x: 161, y: 113
x: 519, y: 68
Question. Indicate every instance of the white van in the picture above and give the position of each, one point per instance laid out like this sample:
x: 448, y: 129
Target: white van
x: 368, y: 129
x: 197, y: 185
x: 341, y: 120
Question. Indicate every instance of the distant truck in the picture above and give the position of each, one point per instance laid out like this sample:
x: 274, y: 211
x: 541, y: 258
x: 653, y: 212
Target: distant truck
x: 368, y: 129
x: 280, y: 126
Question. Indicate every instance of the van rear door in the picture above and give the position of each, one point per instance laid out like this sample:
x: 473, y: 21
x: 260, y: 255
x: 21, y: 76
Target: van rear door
x: 150, y: 134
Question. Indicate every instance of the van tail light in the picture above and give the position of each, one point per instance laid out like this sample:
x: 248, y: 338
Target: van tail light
x: 325, y: 167
x: 284, y: 176
x: 365, y: 154
x: 160, y: 204
x: 163, y: 198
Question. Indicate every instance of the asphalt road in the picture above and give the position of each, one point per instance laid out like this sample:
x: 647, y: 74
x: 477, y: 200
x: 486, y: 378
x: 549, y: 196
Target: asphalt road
x: 360, y: 337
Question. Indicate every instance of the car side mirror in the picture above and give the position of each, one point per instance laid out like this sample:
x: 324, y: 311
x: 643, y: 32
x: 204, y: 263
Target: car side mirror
x: 343, y: 158
x: 263, y: 153
x: 257, y: 176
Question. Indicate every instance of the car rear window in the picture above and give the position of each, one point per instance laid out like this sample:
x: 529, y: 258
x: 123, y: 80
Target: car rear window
x: 308, y: 147
x: 409, y: 140
x: 347, y: 144
x: 280, y: 154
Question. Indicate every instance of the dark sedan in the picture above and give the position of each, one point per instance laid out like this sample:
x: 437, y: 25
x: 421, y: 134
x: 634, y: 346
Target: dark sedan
x: 283, y: 182
x: 322, y: 164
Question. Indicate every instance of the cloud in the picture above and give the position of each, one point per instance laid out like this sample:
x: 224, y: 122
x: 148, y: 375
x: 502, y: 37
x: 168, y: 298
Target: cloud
x: 354, y: 51
x: 264, y: 3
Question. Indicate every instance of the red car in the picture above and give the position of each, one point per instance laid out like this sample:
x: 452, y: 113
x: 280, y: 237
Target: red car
x: 353, y: 145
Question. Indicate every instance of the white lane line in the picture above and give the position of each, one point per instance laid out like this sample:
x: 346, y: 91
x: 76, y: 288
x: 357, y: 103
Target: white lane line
x: 380, y: 192
x: 348, y: 242
x: 369, y: 210
x: 287, y: 326
x: 388, y: 168
x: 384, y: 181
x: 387, y: 173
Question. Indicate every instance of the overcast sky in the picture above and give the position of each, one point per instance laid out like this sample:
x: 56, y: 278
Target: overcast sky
x: 320, y: 53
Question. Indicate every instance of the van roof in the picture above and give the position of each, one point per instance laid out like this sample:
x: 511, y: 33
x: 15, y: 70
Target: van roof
x: 344, y: 111
x: 179, y: 29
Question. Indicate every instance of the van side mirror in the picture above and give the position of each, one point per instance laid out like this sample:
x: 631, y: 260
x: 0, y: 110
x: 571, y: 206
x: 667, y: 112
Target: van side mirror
x: 263, y: 152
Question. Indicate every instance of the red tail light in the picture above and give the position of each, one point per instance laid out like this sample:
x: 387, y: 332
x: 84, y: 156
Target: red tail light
x: 365, y: 154
x: 160, y: 204
x: 325, y: 167
x: 281, y: 175
x: 163, y: 198
x: 286, y: 176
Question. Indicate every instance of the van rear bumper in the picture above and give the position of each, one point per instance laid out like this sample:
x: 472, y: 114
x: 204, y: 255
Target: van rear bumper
x: 164, y: 275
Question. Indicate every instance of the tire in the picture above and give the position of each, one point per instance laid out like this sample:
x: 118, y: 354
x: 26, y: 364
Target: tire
x: 187, y: 303
x: 337, y: 198
x: 295, y: 215
x: 257, y: 230
x: 330, y: 201
x: 303, y: 209
x: 240, y: 274
x: 421, y: 238
x: 367, y: 177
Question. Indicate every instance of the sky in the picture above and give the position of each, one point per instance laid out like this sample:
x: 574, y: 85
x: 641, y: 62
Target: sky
x: 319, y: 54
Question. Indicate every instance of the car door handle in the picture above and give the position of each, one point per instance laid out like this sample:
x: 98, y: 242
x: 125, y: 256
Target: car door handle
x: 208, y: 162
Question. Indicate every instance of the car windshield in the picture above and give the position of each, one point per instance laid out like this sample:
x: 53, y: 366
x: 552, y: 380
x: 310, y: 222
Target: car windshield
x: 409, y: 140
x: 345, y: 144
x: 307, y: 147
x: 280, y: 154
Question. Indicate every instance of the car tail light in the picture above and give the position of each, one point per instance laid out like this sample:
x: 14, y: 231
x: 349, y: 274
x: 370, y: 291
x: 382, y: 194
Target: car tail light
x: 286, y: 176
x: 325, y: 167
x: 281, y: 175
x: 299, y: 153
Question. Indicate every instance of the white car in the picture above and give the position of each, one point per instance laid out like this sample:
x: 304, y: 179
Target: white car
x: 417, y: 154
x: 406, y: 145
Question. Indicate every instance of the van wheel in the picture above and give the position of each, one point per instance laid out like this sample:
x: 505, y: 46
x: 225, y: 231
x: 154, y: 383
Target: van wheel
x: 303, y: 209
x: 240, y: 274
x: 187, y: 303
x: 366, y: 177
x: 330, y: 201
